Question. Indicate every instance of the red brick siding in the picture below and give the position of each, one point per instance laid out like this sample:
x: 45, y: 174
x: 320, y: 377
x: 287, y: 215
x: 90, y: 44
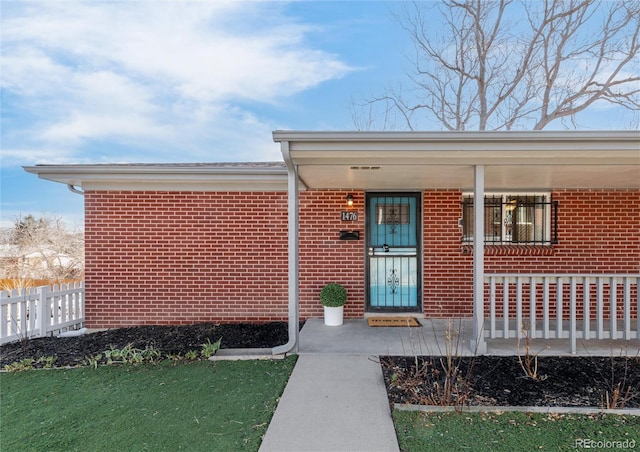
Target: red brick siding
x: 324, y: 257
x: 185, y: 257
x: 599, y: 232
x: 448, y: 278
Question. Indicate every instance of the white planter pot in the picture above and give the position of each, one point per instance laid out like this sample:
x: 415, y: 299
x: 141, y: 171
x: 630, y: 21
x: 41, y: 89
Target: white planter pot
x: 333, y: 316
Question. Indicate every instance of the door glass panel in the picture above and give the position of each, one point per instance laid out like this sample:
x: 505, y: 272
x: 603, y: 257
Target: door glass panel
x: 394, y: 221
x: 393, y: 282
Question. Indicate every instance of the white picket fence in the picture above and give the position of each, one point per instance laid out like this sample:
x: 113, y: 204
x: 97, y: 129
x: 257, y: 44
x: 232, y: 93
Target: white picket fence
x: 41, y: 311
x: 571, y: 306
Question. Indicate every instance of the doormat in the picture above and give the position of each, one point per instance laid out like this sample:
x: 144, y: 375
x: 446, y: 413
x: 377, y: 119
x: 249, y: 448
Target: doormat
x: 393, y: 321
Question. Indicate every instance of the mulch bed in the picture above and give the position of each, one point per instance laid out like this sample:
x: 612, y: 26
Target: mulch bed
x: 502, y: 381
x: 482, y: 380
x: 170, y: 340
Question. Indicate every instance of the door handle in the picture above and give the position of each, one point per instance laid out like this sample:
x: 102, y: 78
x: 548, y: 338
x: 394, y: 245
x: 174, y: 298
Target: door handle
x: 372, y: 251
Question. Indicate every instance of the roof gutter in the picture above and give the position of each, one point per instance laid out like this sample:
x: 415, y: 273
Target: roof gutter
x: 293, y: 305
x: 197, y: 177
x: 628, y: 136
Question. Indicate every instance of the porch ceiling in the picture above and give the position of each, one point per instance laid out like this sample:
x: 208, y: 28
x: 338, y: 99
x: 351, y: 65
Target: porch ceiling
x: 438, y: 160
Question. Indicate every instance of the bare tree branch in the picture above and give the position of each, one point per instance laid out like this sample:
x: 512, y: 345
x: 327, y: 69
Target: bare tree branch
x: 490, y: 72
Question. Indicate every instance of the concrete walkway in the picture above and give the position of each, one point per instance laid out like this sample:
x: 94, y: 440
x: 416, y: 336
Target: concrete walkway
x: 336, y: 399
x: 356, y: 337
x: 436, y: 336
x: 332, y: 403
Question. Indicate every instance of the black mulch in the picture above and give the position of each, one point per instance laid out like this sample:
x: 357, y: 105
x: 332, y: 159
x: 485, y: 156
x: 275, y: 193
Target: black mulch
x: 170, y: 340
x: 501, y: 381
x: 483, y: 380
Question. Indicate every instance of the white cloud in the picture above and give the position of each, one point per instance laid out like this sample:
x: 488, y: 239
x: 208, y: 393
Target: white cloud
x: 103, y: 105
x: 28, y: 71
x: 161, y: 77
x: 29, y: 156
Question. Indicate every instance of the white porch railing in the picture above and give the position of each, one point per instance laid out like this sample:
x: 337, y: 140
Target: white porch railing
x: 567, y: 306
x: 42, y: 311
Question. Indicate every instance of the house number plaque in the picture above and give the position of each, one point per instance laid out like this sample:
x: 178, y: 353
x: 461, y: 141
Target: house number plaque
x: 349, y: 216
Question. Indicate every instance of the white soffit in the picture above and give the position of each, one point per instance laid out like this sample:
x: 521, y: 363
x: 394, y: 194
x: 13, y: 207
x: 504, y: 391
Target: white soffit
x: 392, y: 160
x: 262, y: 176
x: 423, y: 160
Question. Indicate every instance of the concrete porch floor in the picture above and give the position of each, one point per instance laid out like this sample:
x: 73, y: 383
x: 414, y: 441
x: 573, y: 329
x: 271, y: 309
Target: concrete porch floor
x: 355, y: 337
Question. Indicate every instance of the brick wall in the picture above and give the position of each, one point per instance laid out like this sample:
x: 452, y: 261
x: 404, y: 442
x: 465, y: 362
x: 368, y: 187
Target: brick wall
x: 185, y: 257
x: 324, y: 257
x: 599, y: 232
x: 448, y: 274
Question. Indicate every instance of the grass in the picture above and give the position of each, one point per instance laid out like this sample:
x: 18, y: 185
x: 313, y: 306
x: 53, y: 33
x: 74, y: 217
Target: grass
x: 227, y: 405
x: 223, y: 405
x: 513, y: 431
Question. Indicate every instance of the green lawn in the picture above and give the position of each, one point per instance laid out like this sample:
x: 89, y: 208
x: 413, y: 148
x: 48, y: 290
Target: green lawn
x: 226, y: 406
x: 514, y: 431
x: 212, y: 406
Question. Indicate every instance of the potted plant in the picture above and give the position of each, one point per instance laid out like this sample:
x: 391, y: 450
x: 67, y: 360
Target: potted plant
x: 333, y: 296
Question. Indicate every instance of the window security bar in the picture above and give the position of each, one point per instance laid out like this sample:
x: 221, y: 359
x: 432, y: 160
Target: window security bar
x: 514, y: 219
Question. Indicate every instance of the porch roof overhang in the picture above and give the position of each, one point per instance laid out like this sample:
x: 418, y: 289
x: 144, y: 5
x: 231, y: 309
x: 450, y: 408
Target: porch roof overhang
x: 522, y: 161
x: 538, y: 160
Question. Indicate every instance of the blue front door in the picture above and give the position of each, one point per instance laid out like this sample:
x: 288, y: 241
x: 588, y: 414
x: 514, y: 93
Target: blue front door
x: 392, y: 252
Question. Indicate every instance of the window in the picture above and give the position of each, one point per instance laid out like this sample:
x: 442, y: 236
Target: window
x: 513, y: 219
x: 392, y: 214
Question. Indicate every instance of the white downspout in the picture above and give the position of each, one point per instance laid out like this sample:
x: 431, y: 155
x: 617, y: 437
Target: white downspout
x: 478, y: 345
x: 73, y: 189
x: 293, y: 197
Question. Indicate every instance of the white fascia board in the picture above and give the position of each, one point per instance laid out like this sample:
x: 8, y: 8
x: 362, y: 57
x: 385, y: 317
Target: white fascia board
x: 457, y: 136
x: 446, y: 148
x: 165, y: 177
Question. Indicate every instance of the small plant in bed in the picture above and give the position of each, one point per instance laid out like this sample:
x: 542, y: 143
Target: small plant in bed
x: 446, y: 375
x: 571, y: 381
x: 209, y: 349
x: 143, y: 343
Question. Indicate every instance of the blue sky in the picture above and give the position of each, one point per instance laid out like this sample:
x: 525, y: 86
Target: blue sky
x: 96, y: 82
x: 199, y: 81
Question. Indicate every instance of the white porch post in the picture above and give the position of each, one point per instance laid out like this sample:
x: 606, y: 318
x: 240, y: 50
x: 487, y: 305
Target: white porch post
x: 478, y: 342
x: 292, y: 203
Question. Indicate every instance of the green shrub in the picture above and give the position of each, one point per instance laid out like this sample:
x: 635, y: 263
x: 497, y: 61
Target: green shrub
x: 333, y: 295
